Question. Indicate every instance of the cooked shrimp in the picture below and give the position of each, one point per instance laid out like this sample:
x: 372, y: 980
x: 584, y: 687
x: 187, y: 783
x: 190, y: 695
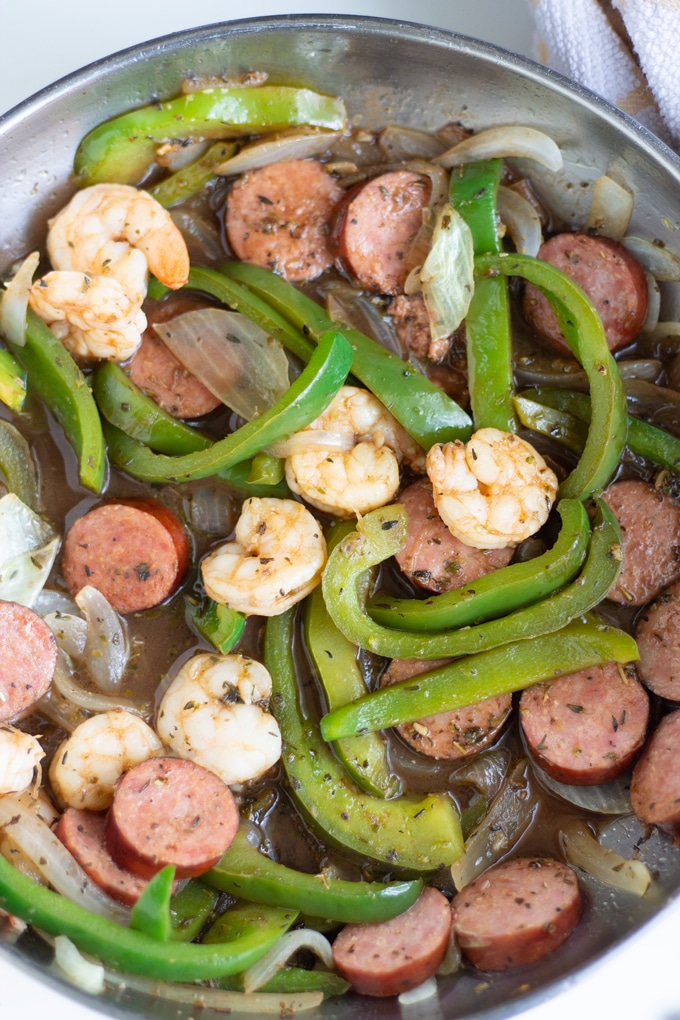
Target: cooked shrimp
x: 91, y: 315
x: 275, y: 559
x: 364, y: 477
x: 214, y: 712
x: 119, y: 231
x: 20, y: 753
x: 85, y: 768
x: 492, y: 492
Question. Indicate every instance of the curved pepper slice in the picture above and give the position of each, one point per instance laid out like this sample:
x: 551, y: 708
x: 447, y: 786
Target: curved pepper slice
x: 248, y: 874
x: 18, y: 466
x: 504, y: 590
x: 180, y: 186
x: 412, y: 835
x: 304, y: 401
x: 382, y: 532
x: 122, y: 149
x: 12, y: 381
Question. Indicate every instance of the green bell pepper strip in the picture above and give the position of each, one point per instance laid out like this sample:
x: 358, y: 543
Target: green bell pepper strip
x: 248, y: 874
x: 381, y: 533
x: 122, y: 149
x: 412, y: 835
x: 425, y: 411
x: 582, y: 329
x: 561, y: 426
x: 191, y: 909
x: 188, y: 181
x: 503, y: 670
x: 127, y: 950
x: 266, y: 470
x: 304, y: 401
x: 12, y: 381
x: 56, y: 379
x: 18, y: 466
x: 218, y: 624
x: 151, y: 913
x: 473, y: 192
x: 504, y: 590
x: 290, y: 980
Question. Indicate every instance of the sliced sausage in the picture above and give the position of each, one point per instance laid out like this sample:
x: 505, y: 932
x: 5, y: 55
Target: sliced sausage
x: 277, y: 217
x: 412, y: 323
x: 432, y: 557
x: 587, y: 727
x: 612, y: 278
x: 516, y: 912
x: 449, y: 735
x: 390, y: 957
x: 170, y: 811
x: 655, y: 786
x: 658, y: 640
x: 650, y: 528
x: 134, y: 552
x: 28, y: 657
x: 376, y: 227
x: 83, y: 834
x: 156, y: 370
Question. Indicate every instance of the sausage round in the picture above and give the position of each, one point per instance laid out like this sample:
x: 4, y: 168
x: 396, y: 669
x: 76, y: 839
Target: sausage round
x: 658, y: 640
x: 585, y: 728
x: 170, y: 811
x: 432, y: 557
x: 277, y: 217
x: 655, y: 786
x: 134, y: 552
x: 516, y: 912
x: 28, y: 657
x: 650, y: 528
x: 612, y: 278
x: 449, y: 735
x: 376, y: 226
x: 412, y: 323
x: 390, y: 957
x: 83, y: 834
x: 156, y: 370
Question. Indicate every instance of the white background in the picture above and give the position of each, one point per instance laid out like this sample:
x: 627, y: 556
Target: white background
x: 41, y: 40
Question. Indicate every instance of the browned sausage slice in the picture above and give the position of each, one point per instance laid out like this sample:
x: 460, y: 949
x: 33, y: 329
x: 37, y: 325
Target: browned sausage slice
x: 650, y: 527
x: 586, y: 728
x: 432, y: 557
x: 412, y: 323
x: 449, y: 735
x: 277, y: 217
x: 655, y: 786
x: 28, y: 657
x: 516, y: 912
x: 170, y: 811
x: 376, y: 227
x: 390, y: 957
x: 82, y: 832
x: 135, y: 553
x: 156, y: 370
x: 658, y: 640
x: 612, y: 278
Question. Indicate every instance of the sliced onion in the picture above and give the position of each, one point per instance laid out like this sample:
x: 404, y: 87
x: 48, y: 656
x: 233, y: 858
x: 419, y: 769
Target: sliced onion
x: 401, y: 143
x: 421, y: 244
x: 485, y: 771
x: 82, y: 973
x: 453, y: 958
x: 584, y: 851
x: 200, y: 997
x: 237, y: 361
x: 29, y: 549
x: 297, y: 144
x: 57, y: 865
x: 500, y: 142
x: 611, y: 208
x: 447, y: 277
x: 650, y: 398
x: 176, y: 155
x: 653, y: 305
x: 106, y: 651
x: 605, y: 799
x: 70, y: 632
x: 647, y: 369
x: 350, y: 307
x: 663, y: 264
x: 210, y: 510
x: 91, y: 701
x: 419, y: 994
x: 276, y: 958
x: 200, y: 235
x: 51, y: 601
x: 522, y: 221
x: 313, y: 439
x: 14, y: 303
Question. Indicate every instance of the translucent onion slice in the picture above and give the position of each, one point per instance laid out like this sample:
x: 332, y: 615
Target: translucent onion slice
x: 453, y: 958
x: 540, y: 373
x: 70, y: 632
x: 200, y: 234
x: 606, y: 799
x: 14, y: 303
x: 401, y: 143
x: 313, y: 439
x: 276, y: 958
x: 447, y: 274
x: 439, y: 195
x: 663, y: 264
x: 522, y: 221
x: 29, y: 549
x: 610, y: 209
x: 485, y: 771
x: 501, y: 142
x: 91, y: 701
x: 55, y: 863
x: 419, y: 994
x: 653, y: 304
x: 584, y: 851
x: 82, y: 973
x: 176, y: 155
x: 278, y: 148
x: 210, y: 510
x: 238, y: 362
x: 51, y: 601
x: 350, y: 307
x: 106, y: 651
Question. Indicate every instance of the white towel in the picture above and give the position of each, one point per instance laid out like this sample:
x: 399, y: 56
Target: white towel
x: 628, y: 51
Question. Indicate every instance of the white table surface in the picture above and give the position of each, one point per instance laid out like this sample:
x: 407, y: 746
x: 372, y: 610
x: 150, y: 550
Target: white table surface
x: 41, y: 40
